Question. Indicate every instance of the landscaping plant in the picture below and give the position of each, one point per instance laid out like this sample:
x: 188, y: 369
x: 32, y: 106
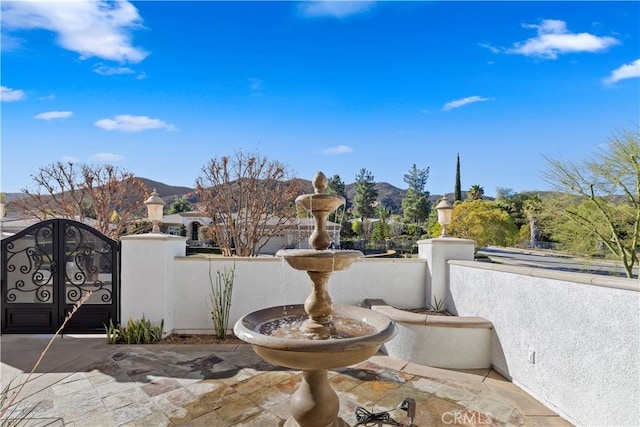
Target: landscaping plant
x: 438, y: 305
x: 220, y: 298
x: 136, y: 332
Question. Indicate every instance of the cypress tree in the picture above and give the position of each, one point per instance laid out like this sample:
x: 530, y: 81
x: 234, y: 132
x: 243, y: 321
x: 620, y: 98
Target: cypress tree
x: 457, y: 192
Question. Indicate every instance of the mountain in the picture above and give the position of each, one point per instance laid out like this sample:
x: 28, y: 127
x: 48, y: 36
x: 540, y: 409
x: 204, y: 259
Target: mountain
x: 12, y: 197
x: 164, y: 190
x: 388, y: 195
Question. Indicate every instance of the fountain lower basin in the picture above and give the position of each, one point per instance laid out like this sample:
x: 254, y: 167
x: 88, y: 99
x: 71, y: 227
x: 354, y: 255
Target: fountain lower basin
x: 309, y: 354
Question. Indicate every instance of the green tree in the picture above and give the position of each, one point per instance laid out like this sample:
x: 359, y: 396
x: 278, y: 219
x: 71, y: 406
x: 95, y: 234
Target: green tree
x: 607, y: 192
x: 416, y: 178
x: 475, y: 192
x: 380, y: 231
x: 366, y: 194
x: 415, y: 203
x: 457, y: 192
x: 523, y: 209
x: 335, y: 185
x: 433, y: 227
x: 503, y: 193
x: 356, y: 227
x: 569, y: 234
x: 383, y: 213
x: 532, y: 207
x: 181, y: 204
x: 396, y: 225
x: 483, y: 222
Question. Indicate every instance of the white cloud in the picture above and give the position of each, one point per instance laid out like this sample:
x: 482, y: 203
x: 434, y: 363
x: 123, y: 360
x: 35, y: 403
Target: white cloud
x: 464, y: 101
x: 50, y: 115
x: 554, y: 38
x: 93, y: 28
x: 106, y: 157
x: 336, y: 9
x: 10, y: 95
x: 338, y: 149
x: 111, y: 71
x: 626, y: 71
x: 128, y: 123
x: 490, y: 47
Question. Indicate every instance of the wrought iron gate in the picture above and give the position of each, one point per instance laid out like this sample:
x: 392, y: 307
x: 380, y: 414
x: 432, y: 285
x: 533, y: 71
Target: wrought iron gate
x: 52, y: 265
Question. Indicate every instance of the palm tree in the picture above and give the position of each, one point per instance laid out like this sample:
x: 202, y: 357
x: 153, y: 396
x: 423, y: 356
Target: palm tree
x: 475, y: 192
x: 532, y: 208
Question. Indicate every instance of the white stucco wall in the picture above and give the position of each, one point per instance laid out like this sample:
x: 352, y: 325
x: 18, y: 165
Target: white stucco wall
x: 580, y: 331
x: 267, y: 282
x: 437, y: 252
x: 441, y: 347
x: 146, y: 278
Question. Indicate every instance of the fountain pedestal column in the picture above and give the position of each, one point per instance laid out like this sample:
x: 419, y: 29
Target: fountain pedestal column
x: 315, y: 404
x: 318, y: 306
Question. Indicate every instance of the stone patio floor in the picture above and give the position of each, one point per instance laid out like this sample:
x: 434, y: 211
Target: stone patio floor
x: 82, y: 381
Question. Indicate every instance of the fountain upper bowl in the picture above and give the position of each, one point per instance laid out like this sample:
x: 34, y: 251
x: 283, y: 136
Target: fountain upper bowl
x: 319, y: 260
x: 319, y: 202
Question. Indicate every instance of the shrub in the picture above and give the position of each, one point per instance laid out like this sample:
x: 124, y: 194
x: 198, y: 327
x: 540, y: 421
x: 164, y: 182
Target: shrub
x: 136, y: 332
x: 220, y: 298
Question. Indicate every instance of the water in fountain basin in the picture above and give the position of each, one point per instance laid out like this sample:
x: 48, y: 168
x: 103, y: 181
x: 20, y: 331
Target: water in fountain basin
x: 290, y: 328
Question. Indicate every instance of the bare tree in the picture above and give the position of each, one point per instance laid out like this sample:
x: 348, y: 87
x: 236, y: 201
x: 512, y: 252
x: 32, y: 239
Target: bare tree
x: 111, y: 197
x: 250, y: 199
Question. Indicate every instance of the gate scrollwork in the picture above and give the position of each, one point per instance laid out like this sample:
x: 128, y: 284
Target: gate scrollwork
x: 86, y: 259
x: 29, y: 267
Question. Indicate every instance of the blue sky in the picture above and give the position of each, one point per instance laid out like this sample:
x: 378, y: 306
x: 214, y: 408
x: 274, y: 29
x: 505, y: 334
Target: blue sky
x: 159, y: 88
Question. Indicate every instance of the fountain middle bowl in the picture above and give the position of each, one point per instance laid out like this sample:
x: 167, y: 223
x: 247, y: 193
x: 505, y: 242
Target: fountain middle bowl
x: 307, y: 354
x: 319, y: 260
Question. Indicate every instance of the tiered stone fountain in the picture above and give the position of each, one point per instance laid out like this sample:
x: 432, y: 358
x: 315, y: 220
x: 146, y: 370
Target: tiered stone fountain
x: 318, y: 335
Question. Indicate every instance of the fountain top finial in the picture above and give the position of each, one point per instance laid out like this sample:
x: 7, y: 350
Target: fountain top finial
x: 320, y: 182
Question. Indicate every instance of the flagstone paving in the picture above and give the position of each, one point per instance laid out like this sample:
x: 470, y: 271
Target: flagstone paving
x: 85, y: 382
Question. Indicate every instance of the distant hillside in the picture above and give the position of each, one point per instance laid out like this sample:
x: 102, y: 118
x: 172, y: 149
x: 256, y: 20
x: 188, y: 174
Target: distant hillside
x: 165, y: 190
x: 12, y: 197
x: 388, y: 195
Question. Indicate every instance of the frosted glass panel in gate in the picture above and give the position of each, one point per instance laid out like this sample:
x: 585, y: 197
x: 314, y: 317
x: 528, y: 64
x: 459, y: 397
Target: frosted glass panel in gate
x: 29, y: 266
x: 88, y: 266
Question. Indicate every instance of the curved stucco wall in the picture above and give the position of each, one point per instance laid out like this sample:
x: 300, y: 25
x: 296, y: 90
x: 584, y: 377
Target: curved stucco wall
x: 441, y: 347
x: 572, y: 344
x: 266, y: 282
